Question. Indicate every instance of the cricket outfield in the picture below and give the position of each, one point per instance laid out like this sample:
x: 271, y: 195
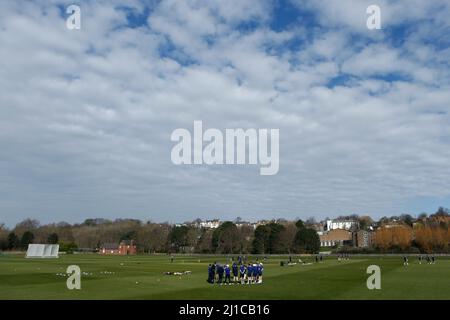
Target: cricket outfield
x: 142, y: 277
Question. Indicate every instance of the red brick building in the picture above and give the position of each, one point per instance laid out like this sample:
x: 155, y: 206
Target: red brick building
x: 362, y: 239
x: 334, y: 237
x: 125, y: 247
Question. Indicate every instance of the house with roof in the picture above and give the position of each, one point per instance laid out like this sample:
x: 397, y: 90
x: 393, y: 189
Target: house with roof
x: 345, y: 224
x: 335, y: 237
x: 125, y: 247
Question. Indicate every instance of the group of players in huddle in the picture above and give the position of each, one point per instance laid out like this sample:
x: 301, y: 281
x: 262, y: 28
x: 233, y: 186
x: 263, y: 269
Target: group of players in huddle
x: 242, y: 274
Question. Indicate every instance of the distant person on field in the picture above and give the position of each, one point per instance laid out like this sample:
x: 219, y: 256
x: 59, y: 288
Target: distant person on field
x: 405, y: 261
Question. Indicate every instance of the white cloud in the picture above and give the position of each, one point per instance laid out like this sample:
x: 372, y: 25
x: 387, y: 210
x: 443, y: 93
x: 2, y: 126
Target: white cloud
x: 86, y: 116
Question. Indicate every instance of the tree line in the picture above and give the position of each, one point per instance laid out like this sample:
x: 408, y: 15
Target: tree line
x: 424, y: 239
x: 424, y: 234
x: 271, y: 238
x: 402, y: 233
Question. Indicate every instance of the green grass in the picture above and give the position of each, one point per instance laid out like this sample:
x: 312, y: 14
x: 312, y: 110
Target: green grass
x: 22, y: 278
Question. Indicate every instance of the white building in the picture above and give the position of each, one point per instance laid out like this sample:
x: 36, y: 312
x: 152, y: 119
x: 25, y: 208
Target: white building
x: 211, y: 224
x: 342, y: 224
x: 245, y: 224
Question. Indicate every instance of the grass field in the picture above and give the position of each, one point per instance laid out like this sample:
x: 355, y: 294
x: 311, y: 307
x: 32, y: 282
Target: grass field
x: 141, y: 277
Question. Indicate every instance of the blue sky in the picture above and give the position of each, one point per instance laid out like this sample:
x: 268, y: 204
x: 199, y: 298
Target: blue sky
x: 86, y: 115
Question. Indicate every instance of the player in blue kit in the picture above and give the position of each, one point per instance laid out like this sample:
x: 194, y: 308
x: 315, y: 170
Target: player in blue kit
x: 249, y: 273
x: 213, y: 272
x: 227, y: 274
x: 210, y: 276
x: 220, y: 271
x: 255, y: 272
x: 234, y: 267
x: 242, y: 273
x: 260, y: 272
